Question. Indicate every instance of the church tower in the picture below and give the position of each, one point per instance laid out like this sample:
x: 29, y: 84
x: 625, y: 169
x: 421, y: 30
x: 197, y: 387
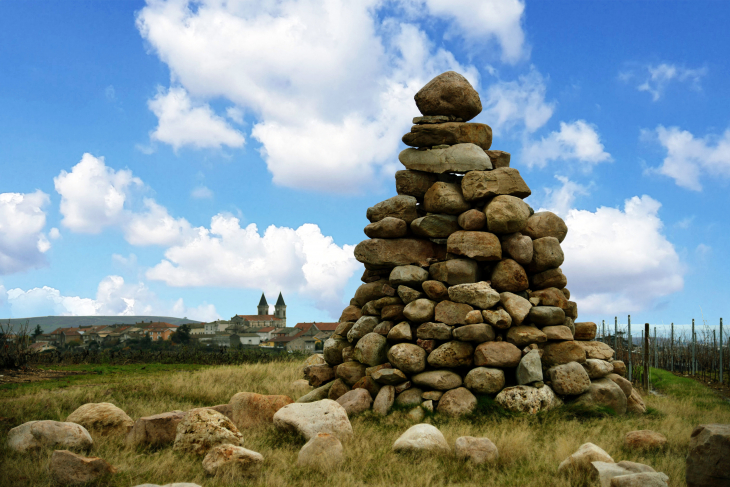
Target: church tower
x: 263, y: 307
x: 280, y: 309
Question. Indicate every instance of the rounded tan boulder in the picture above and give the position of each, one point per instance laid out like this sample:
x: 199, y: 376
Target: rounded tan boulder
x: 401, y: 206
x: 419, y: 311
x: 449, y: 94
x: 644, y: 440
x: 506, y: 214
x: 451, y: 354
x: 484, y: 380
x: 445, y: 198
x: 457, y: 402
x: 558, y: 353
x: 202, y: 429
x: 157, y: 430
x: 582, y: 458
x: 68, y: 468
x: 232, y: 458
x: 521, y: 336
x: 249, y: 410
x: 497, y: 354
x: 509, y: 276
x: 528, y: 399
x: 569, y: 379
x: 323, y: 452
x: 407, y: 357
x: 546, y: 224
x: 421, y: 438
x: 36, y: 435
x: 451, y: 313
x: 480, y: 246
x: 476, y: 450
x: 103, y: 417
x: 355, y: 401
x: 309, y: 419
x: 440, y: 380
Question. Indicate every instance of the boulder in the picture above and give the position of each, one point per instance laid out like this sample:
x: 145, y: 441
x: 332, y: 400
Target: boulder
x: 499, y: 158
x: 408, y: 295
x: 370, y: 291
x: 202, y: 429
x: 516, y: 306
x: 644, y: 440
x: 634, y: 403
x: 509, y: 276
x: 434, y: 225
x: 484, y: 380
x: 604, y: 392
x: 325, y: 416
x: 436, y: 290
x: 407, y: 275
x: 478, y: 294
x: 480, y: 246
x: 36, y: 435
x: 479, y: 184
x: 624, y: 384
x: 342, y: 329
x: 451, y: 354
x: 619, y: 367
x: 417, y: 414
x: 524, y: 335
x: 103, y: 417
x: 546, y: 254
x: 363, y: 326
x: 461, y: 158
x: 585, y: 330
x: 559, y: 332
x: 597, y: 350
x: 455, y: 271
x: 497, y: 354
x: 445, y: 198
x: 249, y: 409
x: 369, y: 384
x: 317, y: 375
x: 440, y: 380
x: 401, y: 332
x: 558, y: 353
x: 457, y: 402
x: 654, y: 479
x: 338, y: 389
x: 332, y: 349
x: 156, y: 430
x: 549, y: 278
x: 372, y: 349
x: 356, y: 401
x: 414, y: 183
x: 388, y: 227
x: 420, y: 310
x: 605, y: 471
x: 409, y: 358
x: 323, y: 451
x: 545, y: 224
x: 317, y: 394
x: 450, y: 133
x: 451, y: 313
x: 393, y: 312
x: 232, y: 458
x: 474, y: 317
x: 506, y: 214
x: 421, y: 438
x: 546, y: 315
x: 528, y: 399
x: 480, y: 333
x: 708, y: 461
x: 384, y: 400
x: 552, y: 297
x: 68, y: 468
x: 386, y: 253
x: 409, y: 398
x: 449, y: 94
x: 472, y: 220
x: 597, y: 368
x: 498, y: 318
x: 530, y: 368
x: 434, y: 331
x: 580, y: 461
x: 350, y: 372
x: 401, y: 206
x: 569, y: 379
x: 351, y: 313
x: 476, y: 450
x: 518, y: 247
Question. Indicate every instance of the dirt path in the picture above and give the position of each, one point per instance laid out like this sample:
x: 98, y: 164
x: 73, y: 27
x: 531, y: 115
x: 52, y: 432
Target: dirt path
x: 29, y: 374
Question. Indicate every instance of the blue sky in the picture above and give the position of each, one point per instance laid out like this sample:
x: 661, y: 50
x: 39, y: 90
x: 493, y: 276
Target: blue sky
x: 178, y: 158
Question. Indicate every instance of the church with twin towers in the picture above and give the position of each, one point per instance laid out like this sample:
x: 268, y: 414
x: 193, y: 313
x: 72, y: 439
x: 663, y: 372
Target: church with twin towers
x: 262, y: 318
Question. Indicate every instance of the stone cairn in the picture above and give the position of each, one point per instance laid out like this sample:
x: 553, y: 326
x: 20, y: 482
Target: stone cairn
x: 463, y: 292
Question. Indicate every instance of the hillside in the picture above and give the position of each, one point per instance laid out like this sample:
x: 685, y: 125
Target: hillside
x: 50, y: 323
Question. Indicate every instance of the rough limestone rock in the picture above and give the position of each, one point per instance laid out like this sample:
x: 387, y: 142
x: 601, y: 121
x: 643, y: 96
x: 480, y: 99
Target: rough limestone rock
x: 355, y: 401
x: 624, y: 384
x: 478, y: 184
x: 581, y: 460
x: 597, y: 350
x: 441, y: 380
x: 708, y: 461
x: 498, y: 318
x: 421, y: 438
x: 332, y: 349
x: 474, y: 317
x: 546, y: 224
x: 388, y: 227
x: 451, y: 313
x: 104, y: 417
x: 597, y: 368
x: 36, y: 435
x: 497, y: 354
x: 619, y: 367
x: 351, y: 372
x: 549, y: 278
x: 372, y: 349
x: 521, y: 336
x: 409, y: 398
x: 445, y: 198
x: 320, y: 374
x: 480, y: 246
x: 407, y: 275
x: 547, y: 315
x: 435, y: 290
x: 156, y: 430
x: 384, y: 400
x: 546, y: 254
x: 528, y: 399
x: 363, y: 326
x: 558, y: 332
x: 585, y: 330
x: 558, y: 353
x: 456, y: 158
x: 401, y: 206
x: 499, y: 158
x: 552, y: 297
x: 518, y: 246
x: 351, y: 313
x: 202, y: 429
x: 407, y: 357
x: 478, y: 294
x: 317, y: 394
x: 435, y: 226
x: 484, y: 380
x: 516, y: 306
x: 387, y: 253
x: 325, y: 416
x: 509, y: 276
x: 232, y: 458
x: 634, y: 403
x: 569, y: 379
x: 449, y: 94
x: 323, y: 451
x: 605, y: 471
x: 655, y: 479
x: 479, y: 332
x: 476, y: 450
x: 249, y: 409
x: 457, y: 402
x: 644, y: 440
x: 390, y: 377
x: 414, y: 183
x: 455, y: 271
x: 451, y: 354
x: 401, y: 333
x: 433, y: 331
x: 530, y: 368
x: 450, y: 133
x: 68, y: 468
x: 472, y: 220
x: 604, y: 392
x: 506, y: 214
x: 420, y: 310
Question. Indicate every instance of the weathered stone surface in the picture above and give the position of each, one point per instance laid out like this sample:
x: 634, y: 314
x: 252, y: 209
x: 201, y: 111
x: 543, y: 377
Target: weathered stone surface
x: 570, y: 324
x: 528, y: 399
x: 440, y: 380
x: 434, y: 331
x: 35, y: 435
x: 323, y: 451
x: 499, y: 158
x: 338, y: 389
x: 449, y: 94
x: 479, y: 184
x: 409, y: 398
x: 480, y: 333
x: 456, y: 158
x: 524, y: 335
x: 318, y: 374
x: 370, y: 291
x: 546, y: 254
x: 597, y: 350
x: 407, y: 357
x: 604, y: 392
x: 317, y: 394
x: 445, y: 198
x: 202, y: 429
x: 455, y: 271
x: 232, y: 458
x: 325, y: 416
x: 569, y: 379
x: 516, y: 306
x: 408, y: 295
x: 509, y: 276
x: 644, y: 440
x: 619, y: 367
x: 474, y: 317
x: 332, y: 349
x: 414, y: 183
x: 498, y: 318
x: 581, y: 460
x: 417, y: 414
x: 68, y: 468
x: 350, y: 372
x: 350, y: 314
x: 435, y: 290
x: 388, y: 227
x: 708, y: 461
x: 435, y: 225
x: 156, y: 430
x: 572, y: 310
x: 103, y: 417
x: 481, y: 246
x: 597, y: 368
x: 450, y: 133
x: 369, y: 384
x: 506, y: 214
x: 472, y: 220
x: 397, y: 251
x: 549, y: 278
x: 363, y: 326
x: 451, y: 313
x: 497, y: 354
x: 546, y: 315
x: 428, y: 345
x: 371, y: 349
x: 389, y: 376
x: 585, y: 330
x: 484, y: 380
x: 343, y: 328
x: 384, y: 400
x: 457, y: 402
x: 546, y: 224
x: 451, y: 354
x: 624, y: 384
x: 558, y: 353
x: 476, y: 450
x: 432, y: 395
x: 421, y: 438
x: 552, y: 297
x: 355, y: 401
x: 393, y: 312
x: 634, y: 403
x: 654, y: 479
x: 401, y: 206
x: 420, y: 310
x: 604, y: 471
x: 401, y: 333
x: 559, y: 332
x: 518, y: 247
x: 478, y: 294
x: 249, y: 410
x: 530, y: 368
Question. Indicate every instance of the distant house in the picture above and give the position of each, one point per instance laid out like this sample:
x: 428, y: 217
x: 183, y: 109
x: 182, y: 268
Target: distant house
x: 197, y: 328
x: 42, y: 347
x: 216, y: 326
x: 158, y: 330
x: 302, y: 344
x: 250, y: 339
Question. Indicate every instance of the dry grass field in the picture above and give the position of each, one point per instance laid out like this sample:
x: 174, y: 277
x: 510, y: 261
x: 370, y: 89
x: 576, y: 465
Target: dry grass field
x: 530, y: 447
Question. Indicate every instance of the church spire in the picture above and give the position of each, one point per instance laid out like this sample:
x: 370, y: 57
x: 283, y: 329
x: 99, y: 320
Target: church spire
x: 280, y: 301
x: 263, y: 307
x: 280, y: 309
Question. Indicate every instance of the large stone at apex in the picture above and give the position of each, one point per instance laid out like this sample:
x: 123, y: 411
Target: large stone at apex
x: 455, y: 271
x: 355, y: 401
x: 480, y: 333
x: 103, y: 417
x: 708, y: 461
x: 232, y: 458
x: 250, y: 410
x: 350, y: 372
x: 407, y: 357
x: 450, y: 133
x: 549, y: 278
x: 472, y: 220
x: 528, y: 399
x: 156, y: 430
x: 434, y: 331
x: 509, y: 276
x: 456, y: 158
x: 363, y: 326
x: 486, y: 184
x: 558, y: 353
x: 517, y: 246
x: 421, y: 438
x: 202, y: 429
x: 449, y: 94
x: 530, y: 368
x: 545, y: 224
x: 497, y: 354
x: 546, y: 254
x: 569, y: 379
x: 581, y: 460
x: 401, y: 206
x: 457, y: 402
x: 597, y: 350
x: 371, y: 349
x: 522, y: 335
x: 451, y: 354
x: 68, y: 468
x: 604, y: 392
x: 407, y: 275
x: 420, y: 310
x: 414, y: 183
x: 485, y: 380
x: 481, y: 246
x: 325, y: 416
x: 452, y: 313
x: 388, y: 227
x: 476, y: 450
x: 398, y: 251
x: 35, y: 435
x: 516, y: 306
x: 585, y: 330
x: 558, y: 332
x: 445, y: 198
x: 440, y: 380
x: 478, y: 294
x: 435, y: 225
x: 546, y: 315
x: 332, y: 349
x: 506, y: 214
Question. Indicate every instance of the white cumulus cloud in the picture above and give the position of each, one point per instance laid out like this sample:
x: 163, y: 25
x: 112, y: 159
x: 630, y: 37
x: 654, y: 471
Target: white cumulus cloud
x: 155, y: 226
x: 576, y: 141
x: 655, y: 78
x: 22, y: 241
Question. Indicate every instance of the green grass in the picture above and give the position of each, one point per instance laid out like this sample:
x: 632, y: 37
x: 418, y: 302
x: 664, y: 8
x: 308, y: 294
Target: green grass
x: 685, y: 388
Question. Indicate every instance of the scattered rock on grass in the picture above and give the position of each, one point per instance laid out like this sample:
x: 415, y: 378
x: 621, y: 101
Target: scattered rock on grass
x: 68, y: 468
x: 249, y: 409
x: 603, y: 472
x: 644, y: 440
x: 476, y: 450
x: 582, y: 458
x: 103, y: 417
x: 156, y: 430
x: 231, y: 457
x: 35, y: 435
x: 708, y: 461
x: 421, y: 437
x: 202, y: 429
x: 322, y: 451
x: 325, y: 416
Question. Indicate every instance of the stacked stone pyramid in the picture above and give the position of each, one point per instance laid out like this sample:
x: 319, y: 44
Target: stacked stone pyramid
x: 463, y: 293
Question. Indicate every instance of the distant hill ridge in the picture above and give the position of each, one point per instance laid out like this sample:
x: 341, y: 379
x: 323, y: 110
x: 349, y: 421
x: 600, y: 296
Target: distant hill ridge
x: 50, y: 323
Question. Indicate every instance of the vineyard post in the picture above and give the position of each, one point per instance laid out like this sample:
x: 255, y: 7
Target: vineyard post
x: 671, y: 351
x: 714, y: 348
x: 721, y: 351
x: 656, y: 351
x: 693, y: 365
x: 646, y: 357
x: 631, y: 344
x: 615, y: 332
x: 603, y: 331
